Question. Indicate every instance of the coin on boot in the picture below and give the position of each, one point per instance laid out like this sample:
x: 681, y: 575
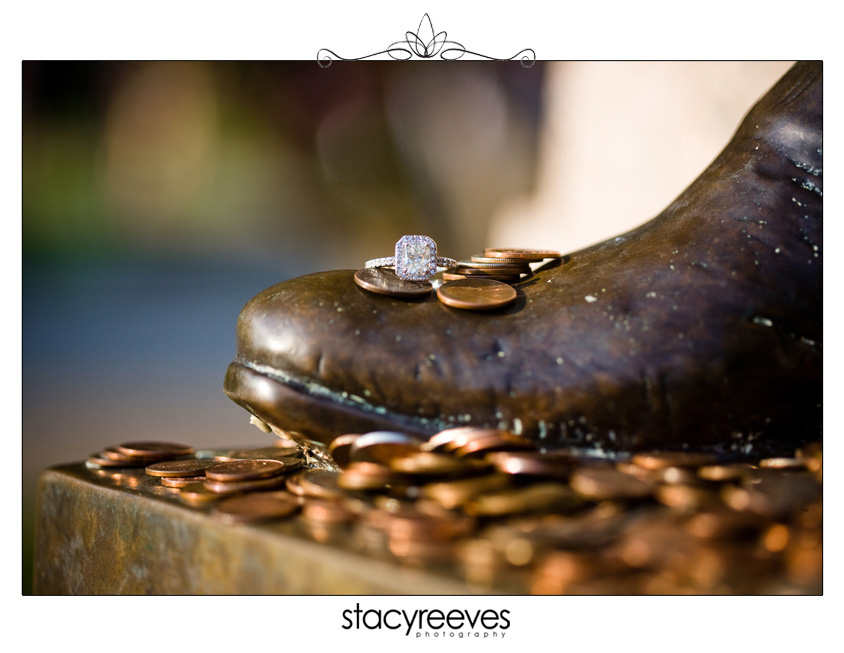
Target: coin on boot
x: 476, y: 294
x: 503, y: 278
x: 518, y: 267
x: 385, y: 282
x: 478, y: 258
x: 524, y: 254
x: 491, y: 269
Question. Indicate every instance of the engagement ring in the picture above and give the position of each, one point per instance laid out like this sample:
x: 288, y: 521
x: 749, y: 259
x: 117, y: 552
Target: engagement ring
x: 415, y: 260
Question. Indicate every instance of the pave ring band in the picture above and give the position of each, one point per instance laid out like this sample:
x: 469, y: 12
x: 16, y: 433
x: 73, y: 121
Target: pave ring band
x: 415, y: 259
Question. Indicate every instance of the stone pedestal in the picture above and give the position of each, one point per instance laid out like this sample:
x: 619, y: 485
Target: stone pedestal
x: 122, y: 532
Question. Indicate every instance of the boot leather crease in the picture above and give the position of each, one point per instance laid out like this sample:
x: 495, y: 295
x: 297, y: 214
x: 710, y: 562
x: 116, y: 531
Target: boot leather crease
x: 700, y: 330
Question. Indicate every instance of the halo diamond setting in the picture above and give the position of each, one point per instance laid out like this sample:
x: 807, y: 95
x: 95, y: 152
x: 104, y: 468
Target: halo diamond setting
x: 416, y: 258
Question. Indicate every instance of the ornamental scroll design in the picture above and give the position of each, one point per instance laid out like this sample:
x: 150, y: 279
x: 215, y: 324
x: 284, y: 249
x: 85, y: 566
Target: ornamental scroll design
x: 425, y: 44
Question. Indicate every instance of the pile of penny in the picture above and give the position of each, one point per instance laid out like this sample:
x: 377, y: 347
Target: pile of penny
x: 485, y: 282
x: 486, y: 506
x: 139, y: 454
x: 505, y: 265
x: 201, y: 481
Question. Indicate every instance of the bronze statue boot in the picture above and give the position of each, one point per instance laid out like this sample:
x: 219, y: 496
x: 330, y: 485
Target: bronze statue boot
x: 701, y: 329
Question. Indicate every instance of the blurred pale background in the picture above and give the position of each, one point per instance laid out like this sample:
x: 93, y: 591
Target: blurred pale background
x: 158, y: 197
x: 621, y: 140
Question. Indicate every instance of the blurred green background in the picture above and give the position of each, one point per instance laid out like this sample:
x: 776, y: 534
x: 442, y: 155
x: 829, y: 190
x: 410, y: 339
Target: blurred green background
x: 159, y: 197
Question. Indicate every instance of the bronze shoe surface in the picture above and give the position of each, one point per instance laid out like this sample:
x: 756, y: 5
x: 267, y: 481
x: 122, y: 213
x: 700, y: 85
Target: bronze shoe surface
x: 700, y: 329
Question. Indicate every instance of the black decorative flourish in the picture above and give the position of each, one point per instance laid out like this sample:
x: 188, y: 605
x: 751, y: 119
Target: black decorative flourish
x: 425, y: 44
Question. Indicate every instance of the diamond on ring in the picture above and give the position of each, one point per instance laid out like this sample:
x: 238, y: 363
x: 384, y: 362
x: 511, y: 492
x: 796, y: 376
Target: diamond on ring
x: 415, y: 259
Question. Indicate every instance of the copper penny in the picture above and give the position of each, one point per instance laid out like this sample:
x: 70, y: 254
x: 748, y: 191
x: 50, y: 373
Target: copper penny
x: 279, y: 454
x: 686, y: 498
x: 179, y: 482
x: 452, y: 494
x: 197, y: 494
x: 100, y: 461
x: 152, y: 448
x: 253, y: 485
x: 383, y: 446
x: 385, y: 282
x: 180, y: 468
x: 493, y: 273
x: 320, y: 483
x: 244, y: 470
x: 599, y: 483
x: 503, y: 278
x: 340, y: 448
x: 783, y: 463
x: 326, y: 512
x: 467, y: 267
x: 459, y: 436
x: 479, y: 447
x: 493, y: 252
x: 660, y: 459
x: 113, y: 453
x: 722, y: 523
x: 525, y: 261
x: 428, y: 463
x: 260, y: 506
x: 476, y: 294
x: 732, y: 472
x: 676, y: 476
x: 366, y: 476
x: 548, y: 496
x: 293, y: 483
x: 635, y: 470
x: 504, y: 274
x: 775, y: 495
x: 529, y: 464
x: 414, y: 524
